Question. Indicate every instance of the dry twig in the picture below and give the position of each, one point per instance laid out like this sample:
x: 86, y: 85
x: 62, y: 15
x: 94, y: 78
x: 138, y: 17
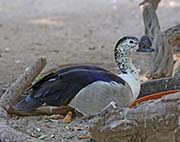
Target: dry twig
x: 44, y: 110
x: 10, y: 96
x: 18, y: 87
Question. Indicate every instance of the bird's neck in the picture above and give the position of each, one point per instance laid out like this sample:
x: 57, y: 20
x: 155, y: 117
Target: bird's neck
x: 125, y: 64
x: 128, y: 71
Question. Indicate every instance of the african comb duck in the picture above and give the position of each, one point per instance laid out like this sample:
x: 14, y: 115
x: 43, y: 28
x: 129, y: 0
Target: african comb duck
x: 89, y: 89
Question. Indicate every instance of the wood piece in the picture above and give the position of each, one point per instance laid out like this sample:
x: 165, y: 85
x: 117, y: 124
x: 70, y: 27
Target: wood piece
x: 162, y: 62
x: 45, y: 110
x: 159, y: 85
x: 10, y: 96
x: 173, y: 34
x: 18, y: 87
x: 154, y: 3
x: 177, y: 68
x: 153, y: 121
x: 2, y: 89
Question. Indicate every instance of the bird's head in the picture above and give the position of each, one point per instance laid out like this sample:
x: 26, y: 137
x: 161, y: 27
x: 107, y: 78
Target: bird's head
x: 128, y: 45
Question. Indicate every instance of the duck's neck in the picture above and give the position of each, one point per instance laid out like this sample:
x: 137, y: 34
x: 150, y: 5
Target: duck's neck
x: 125, y: 64
x: 128, y: 72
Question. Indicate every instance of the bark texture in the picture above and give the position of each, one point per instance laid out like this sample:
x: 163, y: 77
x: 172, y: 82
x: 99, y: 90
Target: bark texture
x: 159, y: 85
x: 2, y: 89
x: 153, y: 121
x: 173, y: 34
x: 162, y: 62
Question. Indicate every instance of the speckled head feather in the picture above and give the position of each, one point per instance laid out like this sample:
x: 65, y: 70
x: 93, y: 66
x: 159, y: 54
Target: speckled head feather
x: 122, y: 49
x: 124, y: 39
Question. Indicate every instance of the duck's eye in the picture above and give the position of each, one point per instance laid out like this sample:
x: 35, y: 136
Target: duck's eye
x: 131, y: 41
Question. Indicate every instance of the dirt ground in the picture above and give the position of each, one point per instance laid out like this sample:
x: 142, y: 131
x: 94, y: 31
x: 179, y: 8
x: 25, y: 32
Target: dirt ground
x: 68, y: 31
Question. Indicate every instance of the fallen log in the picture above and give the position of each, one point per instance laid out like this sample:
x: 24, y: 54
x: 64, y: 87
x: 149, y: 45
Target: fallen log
x: 159, y: 85
x: 153, y: 121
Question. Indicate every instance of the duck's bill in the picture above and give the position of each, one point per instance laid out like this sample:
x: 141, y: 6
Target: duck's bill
x: 145, y: 49
x: 145, y: 45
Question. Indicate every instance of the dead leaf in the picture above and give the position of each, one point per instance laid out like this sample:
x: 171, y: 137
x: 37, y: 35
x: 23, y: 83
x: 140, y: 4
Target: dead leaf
x: 68, y: 117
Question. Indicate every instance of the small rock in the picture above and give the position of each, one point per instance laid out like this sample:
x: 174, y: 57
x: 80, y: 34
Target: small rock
x: 67, y: 127
x: 52, y: 136
x: 17, y: 61
x: 42, y: 136
x: 77, y: 128
x: 33, y: 134
x: 38, y: 44
x: 38, y: 129
x: 7, y: 49
x: 92, y: 48
x: 90, y: 31
x: 102, y: 46
x: 5, y: 38
x: 55, y: 50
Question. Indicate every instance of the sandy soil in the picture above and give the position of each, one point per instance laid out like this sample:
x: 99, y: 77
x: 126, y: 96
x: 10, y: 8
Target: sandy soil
x: 68, y: 31
x: 52, y: 130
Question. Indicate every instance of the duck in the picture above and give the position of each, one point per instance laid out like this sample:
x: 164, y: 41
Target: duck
x: 89, y: 88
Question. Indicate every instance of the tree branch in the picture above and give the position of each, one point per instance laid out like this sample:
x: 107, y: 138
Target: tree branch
x: 18, y: 87
x: 10, y: 96
x: 154, y: 3
x: 153, y: 121
x: 163, y: 58
x: 159, y: 85
x: 173, y: 34
x: 2, y: 89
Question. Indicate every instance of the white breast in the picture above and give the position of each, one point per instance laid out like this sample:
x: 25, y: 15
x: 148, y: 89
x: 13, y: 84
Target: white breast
x: 133, y: 83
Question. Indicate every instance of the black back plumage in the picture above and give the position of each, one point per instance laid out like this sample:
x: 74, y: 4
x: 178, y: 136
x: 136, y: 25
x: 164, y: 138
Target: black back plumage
x: 59, y: 88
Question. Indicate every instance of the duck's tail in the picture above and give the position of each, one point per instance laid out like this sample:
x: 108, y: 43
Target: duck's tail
x: 29, y: 103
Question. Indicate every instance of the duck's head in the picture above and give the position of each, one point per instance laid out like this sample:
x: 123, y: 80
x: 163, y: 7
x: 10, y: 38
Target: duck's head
x: 128, y: 45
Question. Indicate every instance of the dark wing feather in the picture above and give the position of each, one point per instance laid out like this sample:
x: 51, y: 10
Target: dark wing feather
x: 60, y: 87
x: 62, y: 70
